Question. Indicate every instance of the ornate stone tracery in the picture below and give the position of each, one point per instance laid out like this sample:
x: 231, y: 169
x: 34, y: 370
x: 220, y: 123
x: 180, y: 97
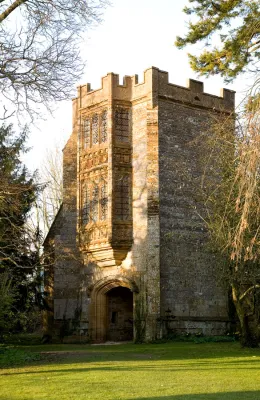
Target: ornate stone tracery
x: 95, y: 129
x: 103, y: 202
x: 106, y: 216
x: 86, y: 133
x: 94, y: 203
x: 103, y: 127
x: 86, y: 206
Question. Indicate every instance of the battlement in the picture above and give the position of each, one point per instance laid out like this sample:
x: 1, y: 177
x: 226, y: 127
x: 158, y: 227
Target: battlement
x: 155, y: 86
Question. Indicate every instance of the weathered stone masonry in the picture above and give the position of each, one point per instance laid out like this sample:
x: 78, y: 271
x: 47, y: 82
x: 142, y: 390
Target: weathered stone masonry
x: 129, y: 245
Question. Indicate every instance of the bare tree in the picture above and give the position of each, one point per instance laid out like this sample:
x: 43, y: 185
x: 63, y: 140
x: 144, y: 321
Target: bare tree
x: 40, y: 58
x: 50, y: 198
x: 231, y: 192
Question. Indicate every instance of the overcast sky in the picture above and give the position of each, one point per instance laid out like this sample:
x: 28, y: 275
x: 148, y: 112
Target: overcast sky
x: 134, y: 35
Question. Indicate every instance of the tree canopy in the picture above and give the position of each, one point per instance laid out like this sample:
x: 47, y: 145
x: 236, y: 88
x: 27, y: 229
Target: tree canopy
x: 237, y: 24
x: 234, y: 202
x: 40, y: 59
x: 19, y: 258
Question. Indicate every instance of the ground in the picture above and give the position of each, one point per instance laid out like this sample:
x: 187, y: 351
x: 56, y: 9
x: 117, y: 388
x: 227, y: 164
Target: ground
x: 178, y: 371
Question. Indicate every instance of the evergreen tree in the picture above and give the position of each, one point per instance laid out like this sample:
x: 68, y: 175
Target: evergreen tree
x: 19, y: 259
x: 237, y: 24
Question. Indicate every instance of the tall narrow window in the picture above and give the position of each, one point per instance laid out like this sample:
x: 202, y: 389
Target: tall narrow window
x: 86, y: 207
x: 103, y: 133
x: 122, y: 198
x: 122, y: 130
x: 95, y: 138
x: 103, y: 202
x: 86, y: 133
x: 94, y: 204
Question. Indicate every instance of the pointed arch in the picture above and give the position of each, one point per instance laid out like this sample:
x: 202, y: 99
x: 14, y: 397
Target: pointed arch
x: 98, y: 310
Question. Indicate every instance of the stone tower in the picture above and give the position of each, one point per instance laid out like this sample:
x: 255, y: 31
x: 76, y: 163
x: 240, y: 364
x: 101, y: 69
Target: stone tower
x: 128, y: 255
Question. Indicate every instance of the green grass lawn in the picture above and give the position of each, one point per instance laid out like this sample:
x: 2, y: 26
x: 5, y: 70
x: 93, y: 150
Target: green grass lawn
x: 185, y: 371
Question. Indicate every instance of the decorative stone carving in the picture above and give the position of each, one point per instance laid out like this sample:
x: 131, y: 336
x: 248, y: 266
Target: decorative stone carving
x: 86, y: 133
x: 95, y: 129
x: 94, y: 186
x: 86, y: 206
x: 94, y: 204
x: 103, y: 128
x: 94, y: 158
x: 103, y: 202
x: 95, y: 233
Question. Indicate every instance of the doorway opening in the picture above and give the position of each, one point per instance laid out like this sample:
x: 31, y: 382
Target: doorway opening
x: 119, y: 314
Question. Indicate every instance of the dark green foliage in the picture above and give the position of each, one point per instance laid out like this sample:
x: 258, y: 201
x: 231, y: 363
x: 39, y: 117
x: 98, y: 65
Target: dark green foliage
x: 22, y: 339
x: 19, y: 257
x: 10, y: 356
x: 236, y: 22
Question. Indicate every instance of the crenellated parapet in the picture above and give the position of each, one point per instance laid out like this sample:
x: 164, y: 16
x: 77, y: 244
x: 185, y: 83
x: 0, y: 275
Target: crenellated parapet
x: 157, y: 81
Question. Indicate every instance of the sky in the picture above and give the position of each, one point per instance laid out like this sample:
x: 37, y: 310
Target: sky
x: 134, y: 35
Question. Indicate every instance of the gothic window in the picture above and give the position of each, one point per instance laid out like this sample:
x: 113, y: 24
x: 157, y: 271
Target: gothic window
x: 103, y: 127
x: 86, y: 207
x: 86, y: 133
x: 94, y: 204
x: 103, y: 202
x: 122, y: 198
x: 95, y: 138
x: 122, y: 131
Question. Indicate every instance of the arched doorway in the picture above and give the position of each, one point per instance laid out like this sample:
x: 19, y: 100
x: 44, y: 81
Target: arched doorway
x: 112, y: 310
x: 120, y: 314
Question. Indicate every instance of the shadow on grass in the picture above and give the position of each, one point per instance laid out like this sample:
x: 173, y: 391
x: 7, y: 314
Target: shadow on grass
x: 203, y: 396
x: 206, y: 396
x: 181, y: 356
x: 136, y: 367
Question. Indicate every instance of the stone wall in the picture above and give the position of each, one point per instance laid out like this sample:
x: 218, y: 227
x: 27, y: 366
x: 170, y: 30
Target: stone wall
x: 191, y: 291
x: 65, y: 295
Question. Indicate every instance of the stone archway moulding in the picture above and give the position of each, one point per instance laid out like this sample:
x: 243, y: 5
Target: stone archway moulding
x: 98, y: 312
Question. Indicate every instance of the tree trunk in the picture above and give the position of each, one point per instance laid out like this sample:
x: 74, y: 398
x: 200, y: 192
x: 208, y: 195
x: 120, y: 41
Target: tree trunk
x: 248, y: 337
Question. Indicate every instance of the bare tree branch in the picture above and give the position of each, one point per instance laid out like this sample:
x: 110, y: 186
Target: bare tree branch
x: 40, y: 60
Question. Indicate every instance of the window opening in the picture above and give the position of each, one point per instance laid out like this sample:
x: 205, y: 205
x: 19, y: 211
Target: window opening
x: 94, y: 210
x: 95, y: 138
x: 104, y: 127
x: 103, y: 202
x: 122, y: 198
x: 86, y: 207
x: 86, y: 133
x: 122, y: 131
